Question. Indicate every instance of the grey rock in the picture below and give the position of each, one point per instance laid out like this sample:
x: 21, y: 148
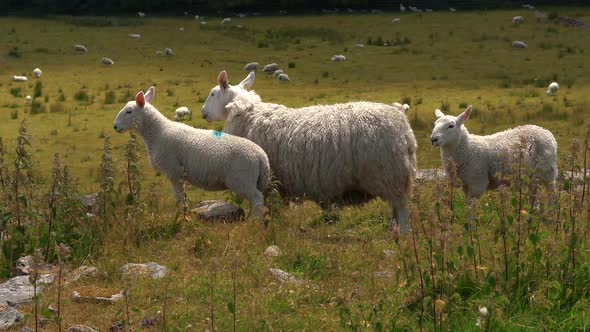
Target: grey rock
x: 20, y: 289
x: 213, y: 210
x: 273, y: 251
x: 81, y: 272
x: 284, y: 277
x: 148, y: 322
x: 154, y: 270
x: 96, y: 295
x: 25, y: 266
x: 9, y: 317
x: 80, y: 328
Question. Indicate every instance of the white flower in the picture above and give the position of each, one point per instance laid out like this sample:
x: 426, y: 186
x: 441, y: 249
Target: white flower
x: 483, y: 311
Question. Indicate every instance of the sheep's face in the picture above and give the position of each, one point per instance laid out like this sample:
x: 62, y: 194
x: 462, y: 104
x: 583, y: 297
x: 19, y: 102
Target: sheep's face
x: 447, y: 128
x: 221, y: 95
x: 130, y: 116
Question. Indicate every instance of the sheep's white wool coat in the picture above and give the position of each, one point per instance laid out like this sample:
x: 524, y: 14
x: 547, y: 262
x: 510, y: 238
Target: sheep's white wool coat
x: 212, y: 160
x: 344, y: 153
x: 481, y: 159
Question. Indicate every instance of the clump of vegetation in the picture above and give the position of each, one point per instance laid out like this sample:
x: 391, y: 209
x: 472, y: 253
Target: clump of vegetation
x: 38, y: 91
x: 109, y: 97
x: 81, y: 96
x: 37, y: 107
x: 17, y: 92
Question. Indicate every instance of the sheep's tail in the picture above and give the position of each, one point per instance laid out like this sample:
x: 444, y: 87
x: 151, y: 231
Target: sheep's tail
x: 264, y: 174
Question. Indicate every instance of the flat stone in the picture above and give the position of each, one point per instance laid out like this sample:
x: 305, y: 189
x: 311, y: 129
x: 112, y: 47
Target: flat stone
x: 98, y: 295
x: 284, y: 277
x: 20, y: 290
x: 80, y: 328
x: 9, y: 317
x: 152, y: 269
x: 430, y: 174
x: 273, y: 251
x: 214, y: 210
x: 24, y: 266
x: 81, y: 272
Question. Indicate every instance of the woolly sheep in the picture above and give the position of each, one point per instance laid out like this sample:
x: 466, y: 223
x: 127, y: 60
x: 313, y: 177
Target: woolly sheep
x: 181, y: 29
x: 182, y: 112
x: 342, y: 153
x: 428, y: 10
x: 518, y: 19
x: 168, y: 51
x: 360, y: 45
x: 278, y: 72
x: 107, y: 61
x: 404, y: 107
x: 479, y: 159
x: 338, y: 58
x: 80, y: 48
x: 226, y: 20
x: 251, y: 66
x: 134, y: 35
x: 552, y: 89
x: 283, y: 77
x: 519, y: 44
x: 28, y: 100
x: 141, y: 14
x: 17, y: 78
x: 270, y: 68
x: 37, y: 72
x: 452, y: 9
x: 395, y: 20
x: 402, y: 8
x: 207, y: 159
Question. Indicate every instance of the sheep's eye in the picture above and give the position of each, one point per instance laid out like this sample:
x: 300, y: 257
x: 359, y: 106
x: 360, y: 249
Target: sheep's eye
x: 451, y: 126
x: 128, y: 112
x: 212, y: 94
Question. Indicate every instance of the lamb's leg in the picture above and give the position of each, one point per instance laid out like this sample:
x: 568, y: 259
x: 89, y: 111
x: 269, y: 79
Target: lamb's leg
x: 253, y: 195
x: 472, y: 194
x: 400, y: 217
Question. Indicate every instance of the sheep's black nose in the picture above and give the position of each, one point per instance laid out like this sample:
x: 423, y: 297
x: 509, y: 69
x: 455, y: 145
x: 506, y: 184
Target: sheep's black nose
x: 115, y: 126
x: 433, y: 140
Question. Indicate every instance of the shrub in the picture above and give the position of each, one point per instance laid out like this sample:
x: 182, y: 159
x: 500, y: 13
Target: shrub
x: 17, y: 92
x: 291, y: 65
x: 37, y: 107
x: 81, y: 95
x: 109, y: 97
x: 57, y: 108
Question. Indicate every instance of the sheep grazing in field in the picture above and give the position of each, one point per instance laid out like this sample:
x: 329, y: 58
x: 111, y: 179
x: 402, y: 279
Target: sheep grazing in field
x: 478, y: 160
x: 338, y: 58
x: 181, y: 29
x: 428, y: 10
x: 278, y: 72
x: 168, y: 51
x: 402, y: 8
x: 414, y: 9
x: 283, y: 77
x: 28, y: 100
x: 226, y: 20
x: 552, y: 89
x: 451, y: 9
x: 395, y: 20
x: 80, y: 48
x: 342, y: 153
x: 519, y: 44
x: 359, y: 45
x: 181, y: 113
x: 252, y: 66
x: 205, y: 158
x: 37, y: 72
x: 141, y: 14
x: 403, y: 107
x: 134, y: 35
x: 159, y: 53
x: 518, y: 19
x: 107, y: 61
x: 270, y: 68
x: 17, y: 78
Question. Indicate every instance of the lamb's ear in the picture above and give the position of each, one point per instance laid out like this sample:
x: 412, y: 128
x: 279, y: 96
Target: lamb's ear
x: 465, y: 115
x: 140, y: 99
x: 222, y: 80
x: 438, y: 113
x: 247, y: 83
x: 149, y: 95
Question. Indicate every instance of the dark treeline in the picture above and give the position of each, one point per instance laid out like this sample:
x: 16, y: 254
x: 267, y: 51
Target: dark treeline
x: 167, y: 7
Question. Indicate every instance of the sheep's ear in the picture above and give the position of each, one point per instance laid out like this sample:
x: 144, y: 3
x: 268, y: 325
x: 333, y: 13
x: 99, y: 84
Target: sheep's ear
x: 149, y: 95
x: 222, y: 80
x: 465, y: 115
x: 140, y: 99
x: 248, y: 81
x: 438, y: 113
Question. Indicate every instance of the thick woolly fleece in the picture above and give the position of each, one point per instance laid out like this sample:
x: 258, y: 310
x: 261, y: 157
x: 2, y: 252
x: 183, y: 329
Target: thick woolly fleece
x: 342, y: 153
x: 211, y: 160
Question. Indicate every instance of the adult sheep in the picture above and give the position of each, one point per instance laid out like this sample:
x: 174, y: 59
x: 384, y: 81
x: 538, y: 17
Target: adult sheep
x: 552, y: 89
x: 342, y: 153
x: 478, y: 160
x: 209, y: 159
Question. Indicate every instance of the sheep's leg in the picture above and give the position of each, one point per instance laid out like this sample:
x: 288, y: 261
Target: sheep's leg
x: 177, y: 190
x: 400, y: 217
x: 252, y: 194
x: 472, y: 194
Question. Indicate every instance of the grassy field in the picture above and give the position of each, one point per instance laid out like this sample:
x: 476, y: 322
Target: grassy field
x: 531, y: 274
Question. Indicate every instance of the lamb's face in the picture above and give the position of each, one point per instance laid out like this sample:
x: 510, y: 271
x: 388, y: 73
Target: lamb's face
x: 127, y: 117
x: 447, y: 128
x: 223, y: 94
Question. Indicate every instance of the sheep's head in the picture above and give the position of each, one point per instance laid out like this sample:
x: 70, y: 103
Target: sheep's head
x: 129, y: 117
x: 222, y: 94
x: 447, y: 128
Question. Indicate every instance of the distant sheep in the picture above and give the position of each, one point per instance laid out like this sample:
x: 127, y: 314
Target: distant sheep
x: 359, y: 45
x: 134, y: 35
x: 338, y: 58
x: 395, y: 20
x: 518, y: 19
x: 452, y: 9
x: 80, y: 48
x: 402, y: 8
x: 478, y: 160
x: 270, y: 68
x: 182, y: 112
x: 205, y: 158
x: 226, y: 20
x: 252, y: 66
x: 342, y: 153
x: 107, y: 61
x: 283, y: 77
x: 278, y: 72
x: 17, y: 78
x: 168, y: 51
x: 519, y: 44
x: 141, y: 14
x: 552, y: 89
x: 28, y: 100
x: 37, y: 72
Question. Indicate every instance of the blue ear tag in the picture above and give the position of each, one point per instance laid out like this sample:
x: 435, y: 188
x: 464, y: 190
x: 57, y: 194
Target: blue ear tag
x: 217, y: 134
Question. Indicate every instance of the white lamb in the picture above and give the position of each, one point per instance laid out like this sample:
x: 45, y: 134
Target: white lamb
x: 207, y: 159
x: 107, y: 61
x: 134, y: 35
x: 37, y: 72
x: 17, y: 78
x: 342, y: 153
x: 518, y: 19
x: 283, y: 77
x: 141, y: 14
x: 28, y: 100
x: 519, y: 44
x: 226, y: 20
x: 182, y: 112
x: 478, y: 160
x: 252, y: 66
x: 168, y: 51
x: 552, y: 89
x: 338, y: 58
x: 80, y: 48
x: 278, y: 72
